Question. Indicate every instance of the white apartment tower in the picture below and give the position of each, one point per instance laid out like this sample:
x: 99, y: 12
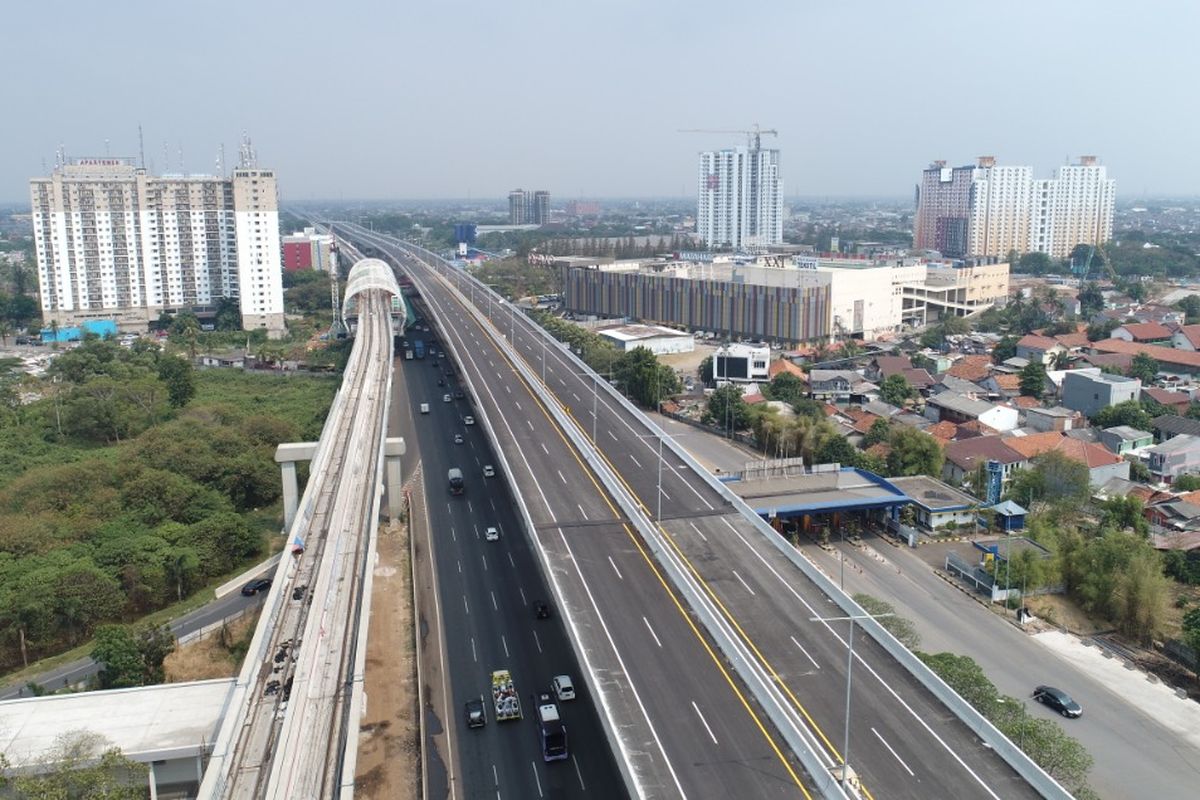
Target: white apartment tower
x: 740, y: 198
x: 989, y: 210
x: 114, y: 242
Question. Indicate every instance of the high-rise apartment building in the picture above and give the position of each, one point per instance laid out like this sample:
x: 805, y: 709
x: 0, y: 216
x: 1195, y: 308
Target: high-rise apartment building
x: 114, y: 242
x: 990, y: 210
x: 740, y: 198
x: 308, y: 249
x: 528, y: 208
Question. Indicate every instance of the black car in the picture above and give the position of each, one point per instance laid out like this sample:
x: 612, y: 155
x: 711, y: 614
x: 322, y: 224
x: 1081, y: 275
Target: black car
x: 1058, y: 700
x: 441, y: 382
x: 254, y: 587
x: 475, y: 712
x: 541, y: 610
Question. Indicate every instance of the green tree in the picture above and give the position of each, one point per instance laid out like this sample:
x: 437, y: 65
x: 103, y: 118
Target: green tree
x: 880, y: 431
x: 1051, y: 478
x: 1035, y: 263
x: 1145, y: 368
x: 180, y: 379
x: 1190, y: 305
x: 1091, y: 300
x: 229, y: 314
x: 955, y: 326
x: 1005, y: 349
x: 1101, y: 329
x: 913, y: 453
x: 837, y: 450
x: 895, y: 390
x: 786, y: 387
x: 1124, y: 513
x: 80, y: 766
x: 82, y: 597
x: 1188, y: 482
x: 1129, y: 413
x: 903, y: 629
x: 705, y: 371
x: 1033, y: 379
x: 646, y: 381
x: 727, y: 409
x: 1191, y: 629
x: 116, y: 650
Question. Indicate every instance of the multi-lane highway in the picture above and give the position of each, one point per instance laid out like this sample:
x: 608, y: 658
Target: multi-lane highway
x: 484, y: 604
x: 904, y: 742
x: 684, y: 723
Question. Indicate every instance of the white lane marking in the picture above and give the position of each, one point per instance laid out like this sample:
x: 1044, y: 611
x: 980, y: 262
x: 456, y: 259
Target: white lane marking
x: 631, y: 455
x: 495, y: 778
x: 466, y: 608
x: 544, y: 450
x: 664, y: 494
x: 459, y: 566
x: 739, y: 577
x: 510, y: 560
x: 494, y: 606
x: 536, y: 778
x: 652, y: 633
x: 524, y: 602
x: 453, y: 535
x: 504, y: 642
x: 978, y: 779
x: 484, y: 559
x: 493, y: 502
x: 578, y: 773
x: 537, y: 641
x: 560, y: 380
x: 697, y: 530
x: 470, y: 508
x: 893, y: 752
x: 610, y: 433
x: 561, y: 477
x: 576, y: 397
x: 507, y: 388
x: 476, y: 527
x: 806, y: 653
x: 530, y: 424
x: 614, y: 566
x: 516, y: 403
x: 581, y: 511
x: 705, y: 722
x: 474, y: 655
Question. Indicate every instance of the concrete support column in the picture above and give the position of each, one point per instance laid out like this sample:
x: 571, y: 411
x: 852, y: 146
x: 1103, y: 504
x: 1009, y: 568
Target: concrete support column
x: 393, y: 449
x: 286, y: 455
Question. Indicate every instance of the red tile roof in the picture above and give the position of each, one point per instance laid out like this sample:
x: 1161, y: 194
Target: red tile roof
x: 967, y: 454
x: 1191, y: 333
x: 781, y: 365
x: 918, y: 378
x: 1163, y: 355
x: 943, y: 430
x: 1147, y: 331
x: 971, y: 368
x: 1009, y: 382
x: 879, y: 449
x: 1035, y: 342
x: 1025, y: 401
x: 893, y: 365
x: 1085, y: 452
x: 1072, y: 341
x: 1166, y: 397
x: 752, y: 399
x: 830, y: 410
x: 864, y: 423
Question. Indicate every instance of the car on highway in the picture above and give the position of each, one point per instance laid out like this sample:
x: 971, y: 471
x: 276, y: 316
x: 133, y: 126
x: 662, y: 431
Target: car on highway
x: 563, y: 688
x: 468, y: 420
x: 458, y: 438
x: 434, y: 363
x: 1058, y: 700
x: 441, y: 382
x: 445, y: 398
x: 255, y: 586
x: 489, y: 471
x: 476, y: 713
x: 492, y: 534
x: 541, y: 610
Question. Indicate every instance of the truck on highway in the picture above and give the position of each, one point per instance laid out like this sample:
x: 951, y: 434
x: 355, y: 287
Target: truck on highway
x: 504, y: 696
x: 408, y: 355
x: 552, y: 733
x: 455, y: 477
x: 419, y: 348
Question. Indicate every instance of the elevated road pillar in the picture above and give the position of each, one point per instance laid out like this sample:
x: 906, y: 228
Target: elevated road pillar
x: 393, y: 448
x: 286, y: 456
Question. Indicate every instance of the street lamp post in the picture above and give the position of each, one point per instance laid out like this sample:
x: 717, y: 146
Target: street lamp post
x: 853, y: 619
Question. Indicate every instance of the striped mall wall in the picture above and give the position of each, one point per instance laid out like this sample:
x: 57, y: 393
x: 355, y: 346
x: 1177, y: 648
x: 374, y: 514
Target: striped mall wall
x: 739, y: 310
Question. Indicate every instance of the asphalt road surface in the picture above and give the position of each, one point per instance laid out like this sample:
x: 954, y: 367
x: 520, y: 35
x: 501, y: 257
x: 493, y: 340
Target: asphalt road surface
x: 485, y: 608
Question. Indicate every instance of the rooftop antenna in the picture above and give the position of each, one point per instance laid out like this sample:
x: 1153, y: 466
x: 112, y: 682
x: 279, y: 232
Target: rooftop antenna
x: 60, y: 156
x: 166, y: 156
x: 248, y: 159
x: 221, y: 161
x: 106, y: 149
x: 141, y: 147
x: 182, y: 171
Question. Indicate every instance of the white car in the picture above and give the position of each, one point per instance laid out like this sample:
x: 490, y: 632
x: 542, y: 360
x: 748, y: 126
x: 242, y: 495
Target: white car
x: 563, y: 688
x: 468, y: 420
x: 492, y: 534
x: 489, y: 471
x: 445, y: 398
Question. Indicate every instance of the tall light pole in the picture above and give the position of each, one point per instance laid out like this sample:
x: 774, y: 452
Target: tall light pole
x: 853, y: 619
x: 660, y: 437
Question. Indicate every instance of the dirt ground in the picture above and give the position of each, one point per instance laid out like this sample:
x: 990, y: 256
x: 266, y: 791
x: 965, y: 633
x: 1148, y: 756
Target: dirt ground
x: 688, y: 363
x: 388, y: 744
x: 1061, y: 611
x: 218, y: 655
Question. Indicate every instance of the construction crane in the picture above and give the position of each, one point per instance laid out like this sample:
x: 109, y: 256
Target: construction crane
x: 754, y: 135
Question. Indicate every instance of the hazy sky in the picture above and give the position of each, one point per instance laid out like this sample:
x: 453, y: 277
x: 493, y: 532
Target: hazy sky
x: 404, y: 99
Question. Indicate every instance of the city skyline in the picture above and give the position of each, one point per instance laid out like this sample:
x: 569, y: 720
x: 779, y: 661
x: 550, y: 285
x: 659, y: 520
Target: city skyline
x: 862, y: 97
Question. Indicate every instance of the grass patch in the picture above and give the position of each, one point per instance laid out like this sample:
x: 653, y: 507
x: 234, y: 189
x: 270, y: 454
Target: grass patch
x: 301, y: 399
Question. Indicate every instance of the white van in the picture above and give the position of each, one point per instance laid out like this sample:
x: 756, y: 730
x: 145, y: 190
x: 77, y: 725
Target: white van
x: 424, y: 408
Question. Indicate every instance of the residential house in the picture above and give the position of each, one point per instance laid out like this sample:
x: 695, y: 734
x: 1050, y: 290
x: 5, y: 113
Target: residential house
x: 937, y: 504
x: 235, y: 359
x: 840, y: 385
x: 1039, y: 348
x: 1170, y: 360
x: 1090, y: 393
x: 1003, y: 385
x: 1122, y: 439
x: 1174, y: 457
x: 1055, y: 418
x: 1174, y: 402
x: 782, y: 365
x: 1186, y: 337
x: 965, y: 456
x: 971, y: 368
x: 954, y: 407
x: 1143, y: 333
x: 882, y: 367
x: 1114, y: 362
x: 1177, y: 516
x: 1168, y: 426
x: 1011, y: 365
x: 1102, y: 465
x: 919, y: 379
x: 950, y: 383
x: 1074, y: 342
